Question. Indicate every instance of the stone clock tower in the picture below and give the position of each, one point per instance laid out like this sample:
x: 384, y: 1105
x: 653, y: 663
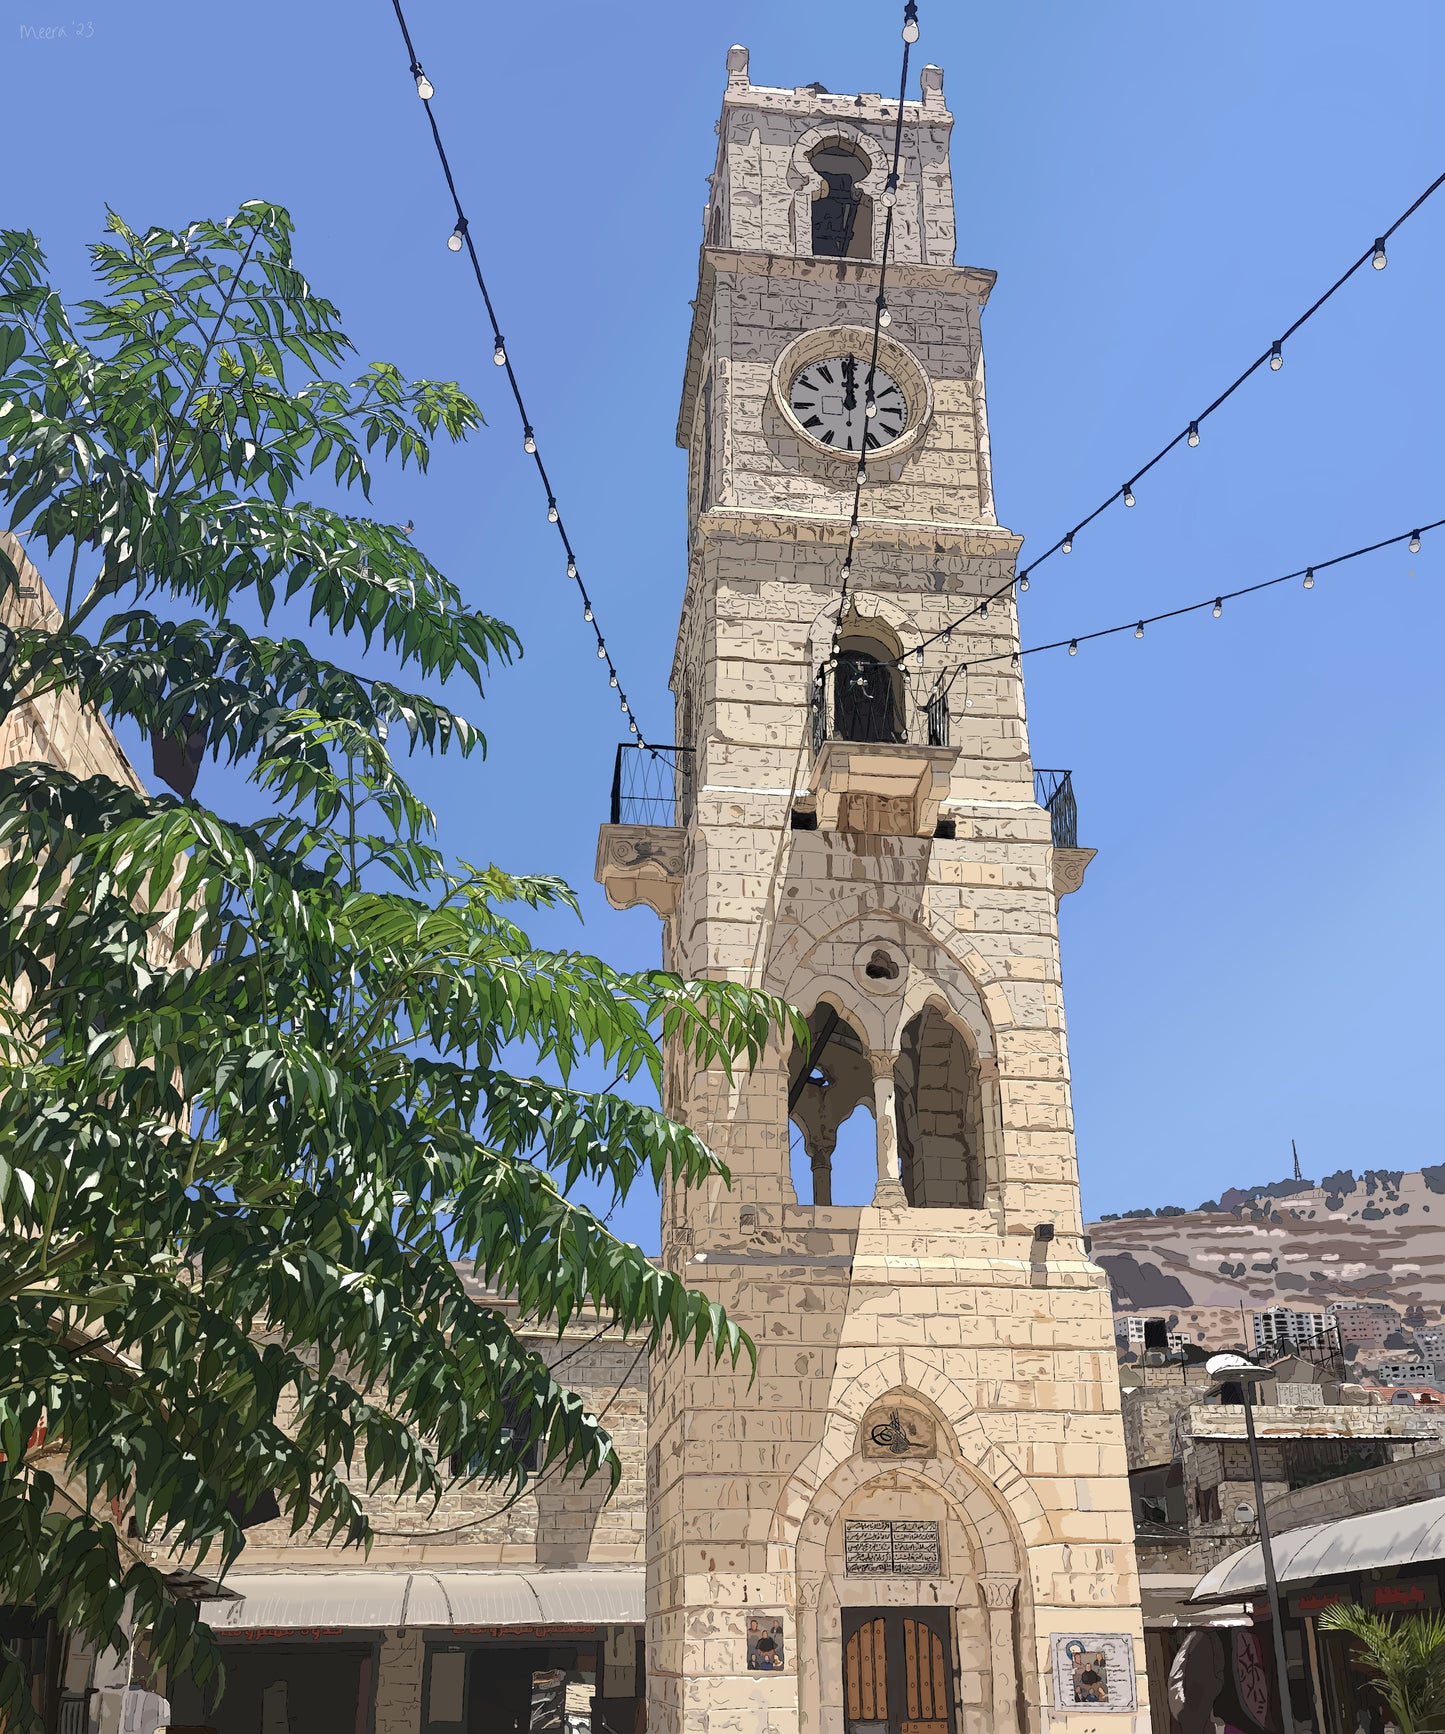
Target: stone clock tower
x: 915, y: 1519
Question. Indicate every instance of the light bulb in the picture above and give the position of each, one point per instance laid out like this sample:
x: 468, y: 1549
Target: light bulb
x: 551, y: 511
x: 1014, y: 659
x: 885, y: 318
x: 847, y: 570
x: 890, y: 191
x: 1414, y: 541
x: 1310, y: 578
x: 1218, y: 606
x: 624, y: 707
x: 612, y: 681
x: 1276, y: 355
x: 1128, y: 495
x: 870, y: 408
x: 969, y: 703
x: 457, y: 237
x: 1378, y: 259
x: 983, y: 610
x: 853, y: 531
x: 529, y: 442
x: 425, y: 89
x: 862, y: 474
x: 1023, y: 580
x: 499, y: 354
x: 587, y: 613
x: 1139, y: 630
x: 571, y: 568
x: 1073, y: 647
x: 918, y: 656
x: 910, y: 22
x: 1194, y: 433
x: 633, y: 727
x: 1067, y: 545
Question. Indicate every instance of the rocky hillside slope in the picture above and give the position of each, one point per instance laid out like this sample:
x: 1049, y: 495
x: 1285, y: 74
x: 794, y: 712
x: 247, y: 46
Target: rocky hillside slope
x: 1297, y: 1243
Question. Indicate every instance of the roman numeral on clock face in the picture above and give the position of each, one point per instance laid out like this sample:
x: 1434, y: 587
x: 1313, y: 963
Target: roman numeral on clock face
x: 830, y: 401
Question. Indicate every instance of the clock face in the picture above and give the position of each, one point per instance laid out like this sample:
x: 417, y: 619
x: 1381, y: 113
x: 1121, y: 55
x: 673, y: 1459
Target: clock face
x: 830, y: 399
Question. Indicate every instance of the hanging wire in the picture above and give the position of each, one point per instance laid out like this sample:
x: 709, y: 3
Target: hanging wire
x: 881, y: 315
x: 1215, y: 604
x: 1273, y: 358
x: 459, y: 239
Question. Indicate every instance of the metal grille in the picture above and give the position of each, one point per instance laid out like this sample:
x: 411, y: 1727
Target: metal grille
x: 937, y: 709
x: 647, y: 784
x: 73, y: 1719
x: 1054, y: 791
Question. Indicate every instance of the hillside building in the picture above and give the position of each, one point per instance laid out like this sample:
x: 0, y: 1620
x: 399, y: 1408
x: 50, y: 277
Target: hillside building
x: 1279, y: 1328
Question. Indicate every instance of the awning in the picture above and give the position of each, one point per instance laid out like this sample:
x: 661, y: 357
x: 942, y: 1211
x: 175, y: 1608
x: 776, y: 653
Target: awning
x: 1404, y: 1535
x: 308, y: 1600
x: 1164, y: 1599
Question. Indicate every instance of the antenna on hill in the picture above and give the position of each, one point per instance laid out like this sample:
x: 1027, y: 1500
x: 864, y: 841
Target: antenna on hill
x: 1295, y: 1152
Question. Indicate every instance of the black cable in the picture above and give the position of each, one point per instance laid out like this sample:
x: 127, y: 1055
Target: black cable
x: 1374, y: 250
x: 1307, y: 573
x: 529, y: 436
x: 880, y: 310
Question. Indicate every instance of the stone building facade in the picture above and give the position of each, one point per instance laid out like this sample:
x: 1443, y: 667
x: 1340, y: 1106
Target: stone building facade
x: 920, y: 1499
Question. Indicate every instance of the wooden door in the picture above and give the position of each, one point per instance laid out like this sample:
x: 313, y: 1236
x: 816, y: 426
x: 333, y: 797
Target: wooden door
x: 897, y: 1671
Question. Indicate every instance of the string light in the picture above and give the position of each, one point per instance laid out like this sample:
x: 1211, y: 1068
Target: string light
x: 1414, y: 541
x: 983, y: 610
x: 890, y: 191
x: 910, y: 21
x: 1214, y: 604
x: 459, y: 238
x: 870, y: 407
x: 1273, y: 356
x: 1377, y: 258
x: 885, y: 318
x: 1023, y: 580
x: 1194, y: 433
x: 853, y: 530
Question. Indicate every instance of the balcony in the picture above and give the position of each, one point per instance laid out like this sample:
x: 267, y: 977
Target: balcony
x: 867, y: 775
x: 639, y: 851
x: 1054, y: 792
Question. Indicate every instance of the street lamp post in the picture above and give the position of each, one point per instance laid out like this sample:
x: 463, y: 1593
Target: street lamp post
x: 1236, y: 1370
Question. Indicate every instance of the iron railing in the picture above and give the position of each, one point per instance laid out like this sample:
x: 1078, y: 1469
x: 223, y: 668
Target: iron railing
x: 651, y: 785
x: 1054, y: 791
x: 864, y: 711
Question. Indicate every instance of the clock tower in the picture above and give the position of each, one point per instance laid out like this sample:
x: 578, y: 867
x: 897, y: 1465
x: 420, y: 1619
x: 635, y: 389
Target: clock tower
x: 915, y: 1518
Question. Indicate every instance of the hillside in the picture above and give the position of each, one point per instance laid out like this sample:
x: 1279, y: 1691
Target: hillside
x: 1298, y: 1243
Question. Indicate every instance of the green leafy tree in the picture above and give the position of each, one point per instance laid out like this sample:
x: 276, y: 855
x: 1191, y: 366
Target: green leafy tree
x: 1406, y: 1656
x: 254, y: 1098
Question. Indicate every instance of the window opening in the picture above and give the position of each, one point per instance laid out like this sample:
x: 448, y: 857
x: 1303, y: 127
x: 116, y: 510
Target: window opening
x: 842, y: 215
x: 830, y: 1105
x: 865, y: 698
x: 939, y: 1105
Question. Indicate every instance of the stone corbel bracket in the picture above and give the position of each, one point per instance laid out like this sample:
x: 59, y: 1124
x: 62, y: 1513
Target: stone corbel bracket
x: 1069, y: 868
x: 641, y: 864
x: 918, y: 775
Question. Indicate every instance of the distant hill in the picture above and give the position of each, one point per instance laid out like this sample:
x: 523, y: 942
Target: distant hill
x: 1299, y: 1243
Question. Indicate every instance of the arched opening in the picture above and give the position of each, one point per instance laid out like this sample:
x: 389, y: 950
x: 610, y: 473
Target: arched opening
x: 842, y: 215
x: 939, y: 1106
x: 830, y: 1107
x: 867, y: 686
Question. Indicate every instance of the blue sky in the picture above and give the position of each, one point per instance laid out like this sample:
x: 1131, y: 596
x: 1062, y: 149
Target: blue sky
x: 1256, y: 952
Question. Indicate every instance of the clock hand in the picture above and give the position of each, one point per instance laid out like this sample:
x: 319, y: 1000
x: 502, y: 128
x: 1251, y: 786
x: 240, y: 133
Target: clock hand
x: 850, y: 381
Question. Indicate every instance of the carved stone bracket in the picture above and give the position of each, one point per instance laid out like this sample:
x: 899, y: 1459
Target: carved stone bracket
x: 892, y: 788
x: 999, y: 1592
x: 1069, y: 866
x: 641, y: 864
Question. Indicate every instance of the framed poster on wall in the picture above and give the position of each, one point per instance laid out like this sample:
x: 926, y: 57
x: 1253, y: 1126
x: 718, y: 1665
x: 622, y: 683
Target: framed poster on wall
x: 1093, y: 1672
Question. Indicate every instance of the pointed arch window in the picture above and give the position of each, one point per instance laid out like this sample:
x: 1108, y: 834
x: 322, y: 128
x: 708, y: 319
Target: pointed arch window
x: 842, y: 214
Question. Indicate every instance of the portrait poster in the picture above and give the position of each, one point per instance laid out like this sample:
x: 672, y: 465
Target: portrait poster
x: 765, y: 1643
x: 1093, y: 1672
